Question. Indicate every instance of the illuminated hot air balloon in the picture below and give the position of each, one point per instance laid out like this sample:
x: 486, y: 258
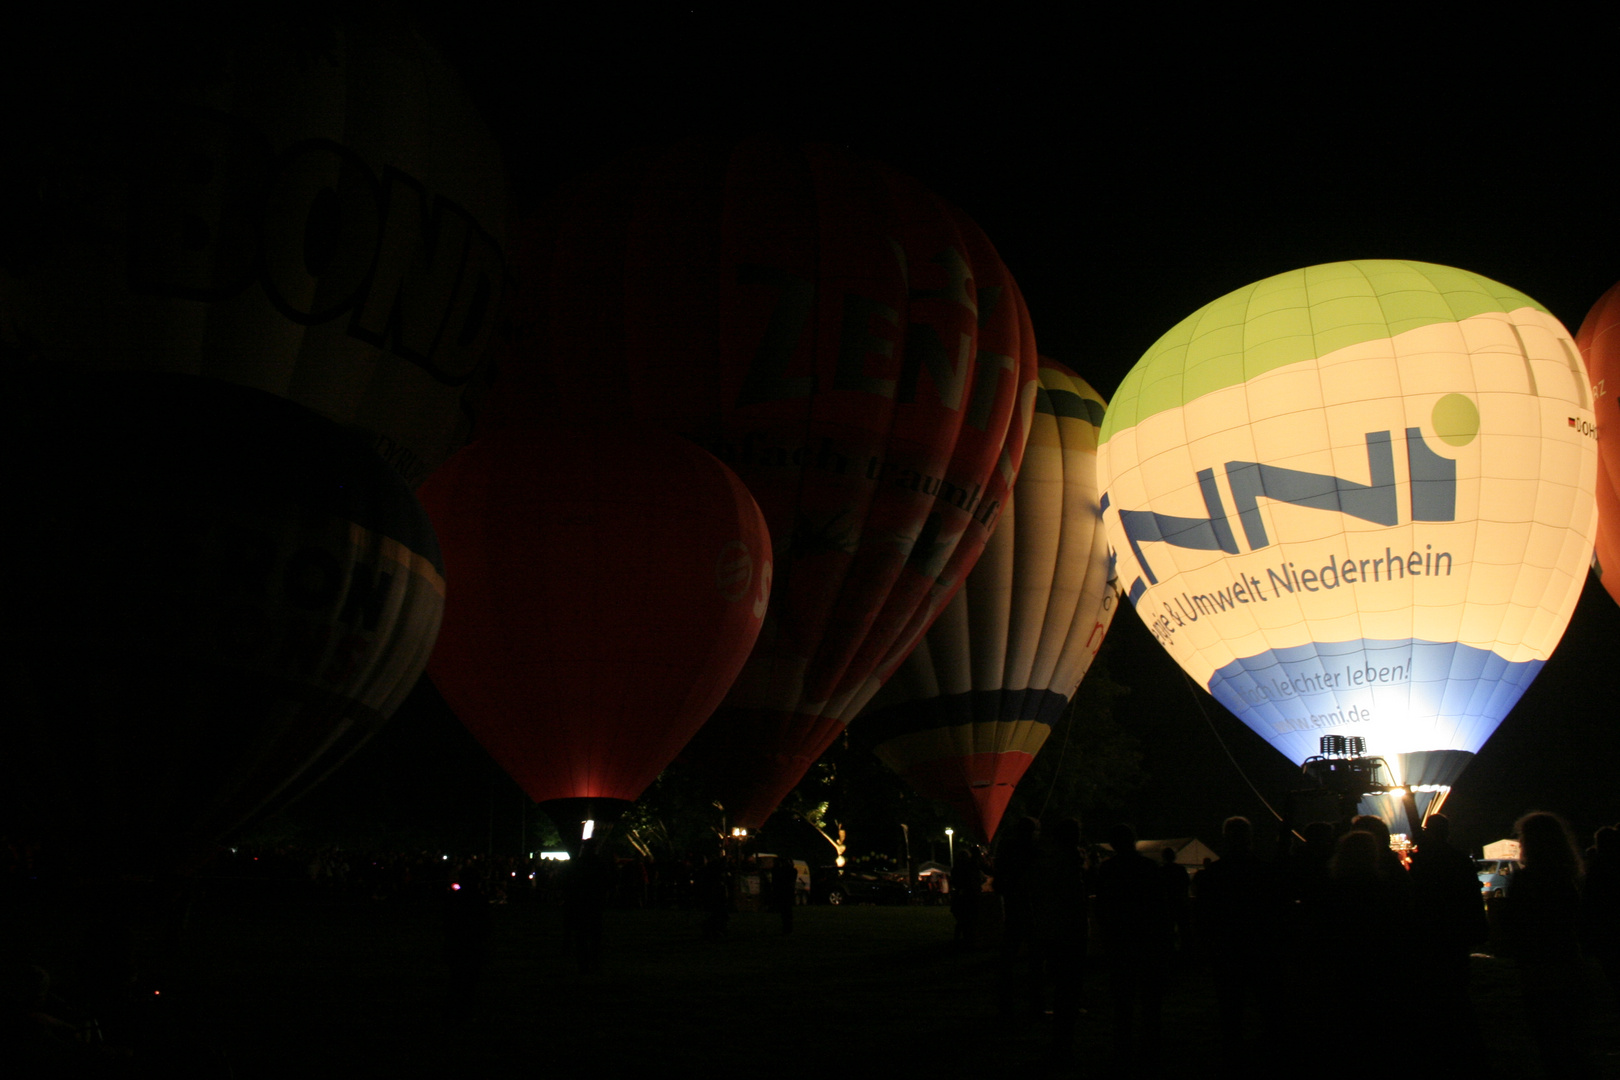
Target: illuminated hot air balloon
x: 607, y: 586
x: 1599, y: 341
x: 224, y: 595
x: 966, y: 713
x: 1355, y: 501
x: 840, y: 337
x: 306, y: 209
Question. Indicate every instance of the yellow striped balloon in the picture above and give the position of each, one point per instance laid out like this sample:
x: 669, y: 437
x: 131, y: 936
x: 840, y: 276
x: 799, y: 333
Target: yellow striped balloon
x: 965, y: 715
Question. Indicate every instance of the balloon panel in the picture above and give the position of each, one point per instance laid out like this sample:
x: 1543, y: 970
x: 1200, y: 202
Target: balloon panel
x: 1357, y: 499
x: 608, y: 584
x: 228, y: 593
x: 848, y: 344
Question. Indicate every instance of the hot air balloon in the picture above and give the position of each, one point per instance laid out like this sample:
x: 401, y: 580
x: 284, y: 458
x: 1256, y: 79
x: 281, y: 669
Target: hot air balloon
x: 966, y: 713
x: 608, y: 584
x: 1354, y: 502
x: 222, y: 595
x: 310, y: 209
x: 840, y: 337
x: 1599, y: 342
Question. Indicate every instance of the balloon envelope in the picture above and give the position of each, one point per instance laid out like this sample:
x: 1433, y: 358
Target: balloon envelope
x: 966, y: 713
x: 606, y: 588
x: 1599, y: 342
x: 226, y: 594
x: 1356, y: 500
x: 846, y: 342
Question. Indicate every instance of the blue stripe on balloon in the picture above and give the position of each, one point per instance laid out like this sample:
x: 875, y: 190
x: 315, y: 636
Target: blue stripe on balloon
x: 1451, y: 695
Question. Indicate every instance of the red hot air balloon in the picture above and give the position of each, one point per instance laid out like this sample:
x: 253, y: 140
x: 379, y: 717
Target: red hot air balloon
x: 607, y: 586
x: 305, y: 208
x: 965, y: 715
x: 1599, y: 342
x: 843, y: 339
x: 224, y: 594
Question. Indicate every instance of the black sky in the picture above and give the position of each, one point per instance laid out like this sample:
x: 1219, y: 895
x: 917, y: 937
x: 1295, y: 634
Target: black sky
x: 1129, y: 170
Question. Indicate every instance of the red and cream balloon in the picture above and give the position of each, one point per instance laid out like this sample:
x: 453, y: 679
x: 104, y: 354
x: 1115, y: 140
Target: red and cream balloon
x: 848, y: 343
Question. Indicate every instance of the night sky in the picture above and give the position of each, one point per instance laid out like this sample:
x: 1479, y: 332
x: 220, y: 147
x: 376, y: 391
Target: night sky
x: 1129, y: 171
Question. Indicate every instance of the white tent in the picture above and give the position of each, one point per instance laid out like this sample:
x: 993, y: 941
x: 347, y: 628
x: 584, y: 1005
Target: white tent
x: 1190, y: 851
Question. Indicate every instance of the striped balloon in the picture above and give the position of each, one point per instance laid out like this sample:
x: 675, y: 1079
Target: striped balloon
x: 966, y: 714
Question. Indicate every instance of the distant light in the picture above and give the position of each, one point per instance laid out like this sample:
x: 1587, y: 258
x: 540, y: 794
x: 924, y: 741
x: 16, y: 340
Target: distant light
x: 446, y: 858
x: 554, y: 856
x: 739, y: 832
x: 839, y: 861
x: 589, y: 827
x: 455, y: 886
x: 514, y: 873
x: 531, y: 875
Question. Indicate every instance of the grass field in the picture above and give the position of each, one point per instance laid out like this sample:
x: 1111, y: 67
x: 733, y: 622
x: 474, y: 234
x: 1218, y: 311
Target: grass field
x: 311, y: 989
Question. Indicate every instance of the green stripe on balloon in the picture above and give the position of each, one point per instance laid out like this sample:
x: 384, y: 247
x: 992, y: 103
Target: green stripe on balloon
x: 1297, y: 316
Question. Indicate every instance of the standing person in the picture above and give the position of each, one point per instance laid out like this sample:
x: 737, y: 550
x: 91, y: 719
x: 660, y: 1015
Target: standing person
x: 784, y: 890
x: 1015, y: 874
x: 1134, y: 919
x: 1062, y: 922
x: 1541, y: 919
x: 1178, y: 893
x: 967, y: 887
x: 1448, y: 912
x: 1600, y: 907
x: 1239, y: 914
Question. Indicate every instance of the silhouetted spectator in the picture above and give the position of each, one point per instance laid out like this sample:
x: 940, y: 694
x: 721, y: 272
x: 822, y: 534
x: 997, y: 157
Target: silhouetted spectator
x: 1061, y: 918
x: 1178, y: 893
x: 1600, y: 906
x: 1239, y: 913
x: 784, y: 890
x: 466, y: 939
x: 1540, y: 922
x: 1015, y: 882
x: 1366, y: 915
x: 710, y: 881
x: 967, y: 889
x: 1134, y: 920
x: 590, y: 877
x: 1448, y: 913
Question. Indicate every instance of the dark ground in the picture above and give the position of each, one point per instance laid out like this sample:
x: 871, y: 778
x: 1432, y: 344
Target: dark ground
x: 295, y: 986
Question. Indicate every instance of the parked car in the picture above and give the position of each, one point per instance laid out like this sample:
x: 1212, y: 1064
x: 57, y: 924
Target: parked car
x: 1495, y: 876
x: 836, y: 886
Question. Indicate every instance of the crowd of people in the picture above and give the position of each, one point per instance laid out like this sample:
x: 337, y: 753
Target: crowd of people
x: 1340, y: 917
x: 1287, y: 942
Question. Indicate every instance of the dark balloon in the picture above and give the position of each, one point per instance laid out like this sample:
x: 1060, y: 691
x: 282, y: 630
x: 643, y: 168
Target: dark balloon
x: 607, y: 586
x: 305, y: 206
x: 219, y: 596
x: 848, y: 343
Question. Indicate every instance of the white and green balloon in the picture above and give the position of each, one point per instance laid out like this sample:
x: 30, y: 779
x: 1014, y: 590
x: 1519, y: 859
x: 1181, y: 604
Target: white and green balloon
x: 1357, y: 499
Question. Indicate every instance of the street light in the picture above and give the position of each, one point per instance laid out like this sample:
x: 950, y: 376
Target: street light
x: 950, y: 845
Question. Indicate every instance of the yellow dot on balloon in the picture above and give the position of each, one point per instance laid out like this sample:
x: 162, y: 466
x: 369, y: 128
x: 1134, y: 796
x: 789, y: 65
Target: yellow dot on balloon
x: 1456, y: 419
